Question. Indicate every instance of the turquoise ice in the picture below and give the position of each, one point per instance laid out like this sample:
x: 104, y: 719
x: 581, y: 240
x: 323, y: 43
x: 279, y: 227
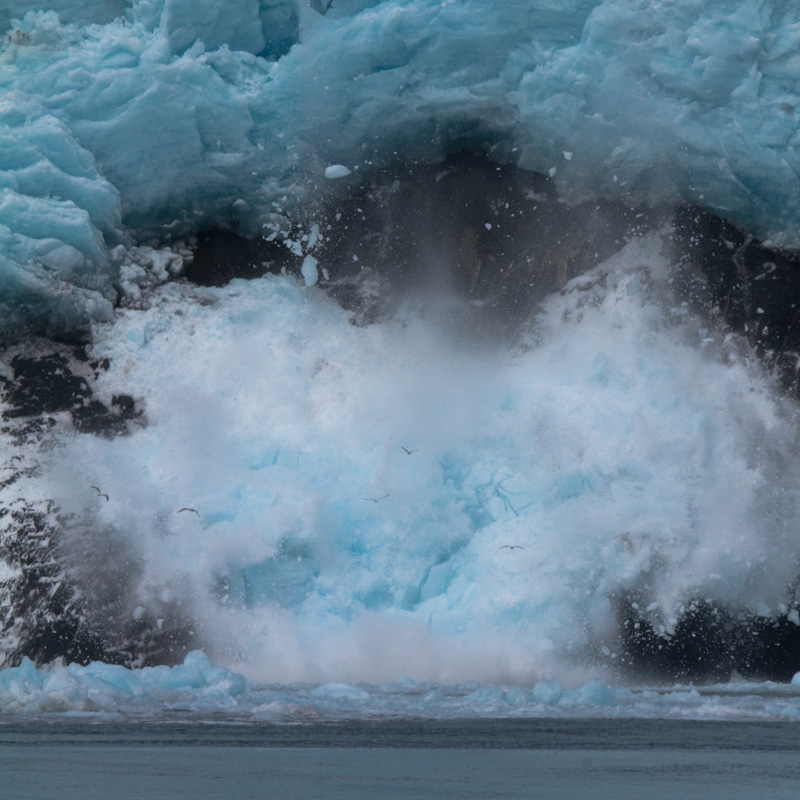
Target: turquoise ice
x: 123, y: 122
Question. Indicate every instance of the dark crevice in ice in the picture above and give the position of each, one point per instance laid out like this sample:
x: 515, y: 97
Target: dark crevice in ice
x: 220, y: 256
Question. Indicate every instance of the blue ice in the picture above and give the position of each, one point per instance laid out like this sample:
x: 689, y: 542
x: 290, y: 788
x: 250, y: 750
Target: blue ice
x: 197, y: 690
x: 150, y: 118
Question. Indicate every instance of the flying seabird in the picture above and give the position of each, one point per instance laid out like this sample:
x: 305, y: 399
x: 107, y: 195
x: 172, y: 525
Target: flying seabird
x: 377, y: 499
x: 189, y: 509
x: 99, y: 493
x: 408, y: 452
x: 511, y: 546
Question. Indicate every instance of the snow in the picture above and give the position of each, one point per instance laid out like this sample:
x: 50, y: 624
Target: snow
x: 136, y: 121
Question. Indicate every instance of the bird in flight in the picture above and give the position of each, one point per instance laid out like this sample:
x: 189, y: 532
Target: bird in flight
x: 377, y: 499
x: 511, y: 547
x: 408, y: 452
x: 99, y: 493
x: 194, y: 510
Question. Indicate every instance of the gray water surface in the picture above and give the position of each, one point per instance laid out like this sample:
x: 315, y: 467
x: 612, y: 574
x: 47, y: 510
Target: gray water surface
x: 84, y: 760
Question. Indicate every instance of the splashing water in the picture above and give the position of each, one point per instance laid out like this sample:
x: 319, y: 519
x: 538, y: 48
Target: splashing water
x: 412, y: 498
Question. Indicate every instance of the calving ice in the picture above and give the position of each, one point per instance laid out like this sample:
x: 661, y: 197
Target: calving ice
x: 390, y: 346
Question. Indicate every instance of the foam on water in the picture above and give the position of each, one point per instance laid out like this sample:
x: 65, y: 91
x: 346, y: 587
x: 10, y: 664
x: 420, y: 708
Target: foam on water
x: 620, y: 447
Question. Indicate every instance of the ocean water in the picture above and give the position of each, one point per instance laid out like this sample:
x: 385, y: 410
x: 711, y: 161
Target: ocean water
x: 546, y: 759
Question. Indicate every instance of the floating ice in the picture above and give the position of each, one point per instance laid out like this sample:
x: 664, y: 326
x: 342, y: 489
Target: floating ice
x: 196, y: 690
x: 153, y: 118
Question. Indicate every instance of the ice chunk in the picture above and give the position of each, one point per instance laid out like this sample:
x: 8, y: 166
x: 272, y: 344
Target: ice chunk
x: 236, y: 24
x: 309, y: 270
x: 548, y: 692
x: 597, y: 694
x: 340, y: 691
x: 337, y: 171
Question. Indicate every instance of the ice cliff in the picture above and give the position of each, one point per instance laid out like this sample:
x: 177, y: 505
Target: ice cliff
x: 131, y: 123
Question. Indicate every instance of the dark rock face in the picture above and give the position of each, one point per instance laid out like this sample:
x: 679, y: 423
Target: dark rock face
x: 220, y: 256
x: 753, y: 288
x: 495, y: 235
x: 46, y: 384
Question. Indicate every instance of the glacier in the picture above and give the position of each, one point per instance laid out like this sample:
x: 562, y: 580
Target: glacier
x: 402, y: 357
x: 140, y: 123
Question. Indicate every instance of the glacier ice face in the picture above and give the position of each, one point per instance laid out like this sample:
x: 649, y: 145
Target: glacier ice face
x: 208, y: 113
x: 84, y: 12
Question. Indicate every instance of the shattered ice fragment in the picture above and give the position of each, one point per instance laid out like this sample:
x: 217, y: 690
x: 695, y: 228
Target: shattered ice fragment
x: 309, y: 270
x: 336, y: 171
x: 548, y: 692
x: 313, y: 237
